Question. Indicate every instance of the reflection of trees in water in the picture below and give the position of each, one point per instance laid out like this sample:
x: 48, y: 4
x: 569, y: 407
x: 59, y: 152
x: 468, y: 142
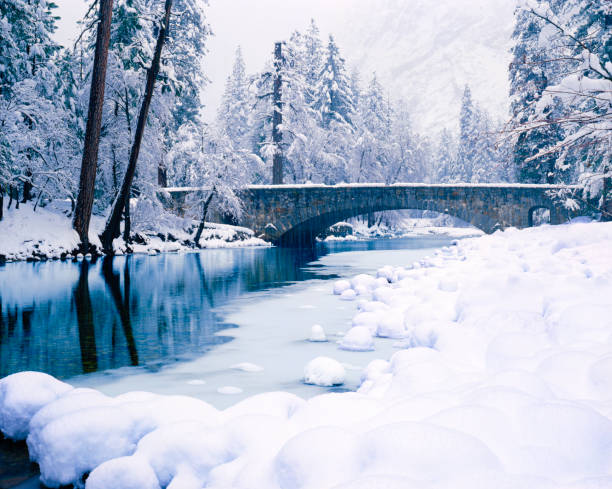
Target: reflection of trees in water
x: 84, y: 312
x: 122, y: 303
x: 164, y: 306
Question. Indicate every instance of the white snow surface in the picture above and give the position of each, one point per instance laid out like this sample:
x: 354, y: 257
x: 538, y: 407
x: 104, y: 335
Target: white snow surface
x: 26, y: 233
x: 505, y: 381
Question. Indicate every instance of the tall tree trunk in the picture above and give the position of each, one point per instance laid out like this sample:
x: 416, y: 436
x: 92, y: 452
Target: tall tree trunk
x: 1, y: 203
x: 127, y: 224
x: 162, y: 175
x: 85, y: 198
x: 606, y: 214
x: 112, y: 229
x: 203, y: 221
x: 277, y: 117
x: 27, y: 186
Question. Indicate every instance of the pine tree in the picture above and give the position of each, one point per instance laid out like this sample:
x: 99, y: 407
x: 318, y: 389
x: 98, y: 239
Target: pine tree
x: 31, y: 118
x: 575, y: 39
x: 335, y: 98
x: 312, y: 62
x: 26, y: 45
x: 373, y: 125
x: 466, y: 151
x: 445, y: 157
x: 233, y: 115
x: 530, y: 73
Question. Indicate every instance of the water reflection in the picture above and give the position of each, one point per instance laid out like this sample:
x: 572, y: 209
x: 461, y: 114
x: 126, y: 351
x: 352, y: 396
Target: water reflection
x: 72, y: 318
x: 85, y: 321
x: 122, y: 304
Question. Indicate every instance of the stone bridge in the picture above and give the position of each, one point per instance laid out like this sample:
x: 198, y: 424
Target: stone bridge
x: 294, y: 215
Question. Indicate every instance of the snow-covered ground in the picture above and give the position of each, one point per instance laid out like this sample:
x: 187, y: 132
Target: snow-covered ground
x: 504, y: 381
x: 46, y: 233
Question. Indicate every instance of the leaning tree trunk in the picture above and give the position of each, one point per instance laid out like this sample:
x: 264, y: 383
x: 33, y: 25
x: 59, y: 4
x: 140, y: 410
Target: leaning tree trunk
x: 85, y: 198
x: 127, y: 227
x: 112, y: 229
x: 203, y: 221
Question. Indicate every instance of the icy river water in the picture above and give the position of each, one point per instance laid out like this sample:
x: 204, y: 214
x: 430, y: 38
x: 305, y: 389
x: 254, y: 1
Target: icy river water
x: 219, y: 325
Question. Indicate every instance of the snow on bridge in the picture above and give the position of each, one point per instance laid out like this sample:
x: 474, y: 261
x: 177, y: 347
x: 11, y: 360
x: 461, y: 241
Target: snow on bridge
x: 295, y: 214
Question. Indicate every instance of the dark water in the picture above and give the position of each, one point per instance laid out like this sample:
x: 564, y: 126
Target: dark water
x: 67, y: 319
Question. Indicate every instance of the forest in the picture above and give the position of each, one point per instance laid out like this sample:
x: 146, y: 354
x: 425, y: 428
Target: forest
x: 108, y: 122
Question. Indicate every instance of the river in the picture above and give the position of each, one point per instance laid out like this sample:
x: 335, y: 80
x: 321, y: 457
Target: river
x: 219, y: 325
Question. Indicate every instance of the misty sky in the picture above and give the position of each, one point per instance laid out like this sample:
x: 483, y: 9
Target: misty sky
x: 252, y: 24
x: 424, y: 51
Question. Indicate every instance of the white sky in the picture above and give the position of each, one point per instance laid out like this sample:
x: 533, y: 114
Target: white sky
x: 394, y: 37
x: 253, y: 24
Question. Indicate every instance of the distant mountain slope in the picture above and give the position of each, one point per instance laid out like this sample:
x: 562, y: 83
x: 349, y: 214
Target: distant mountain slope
x: 426, y: 50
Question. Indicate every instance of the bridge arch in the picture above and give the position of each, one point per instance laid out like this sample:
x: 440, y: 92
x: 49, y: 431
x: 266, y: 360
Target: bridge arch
x: 305, y: 232
x: 531, y: 217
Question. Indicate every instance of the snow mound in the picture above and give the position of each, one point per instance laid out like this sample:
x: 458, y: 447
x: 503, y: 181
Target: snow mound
x: 21, y: 396
x: 247, y: 367
x: 348, y: 295
x: 324, y: 371
x: 317, y: 333
x: 358, y: 338
x: 340, y: 286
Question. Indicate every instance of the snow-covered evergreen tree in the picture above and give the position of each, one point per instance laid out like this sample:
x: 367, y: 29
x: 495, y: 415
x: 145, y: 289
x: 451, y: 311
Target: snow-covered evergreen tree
x: 468, y: 136
x: 531, y: 71
x: 32, y: 153
x: 335, y: 98
x: 445, y: 157
x: 575, y: 36
x: 233, y: 114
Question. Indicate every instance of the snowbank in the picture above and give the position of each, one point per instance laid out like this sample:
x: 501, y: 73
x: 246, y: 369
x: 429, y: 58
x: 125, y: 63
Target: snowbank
x: 47, y: 234
x: 505, y: 381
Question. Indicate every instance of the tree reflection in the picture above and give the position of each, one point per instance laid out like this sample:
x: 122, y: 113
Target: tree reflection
x: 84, y: 310
x: 122, y: 304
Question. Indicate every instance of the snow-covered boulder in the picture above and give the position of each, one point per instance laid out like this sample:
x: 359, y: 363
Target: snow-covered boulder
x: 324, y: 371
x: 348, y: 295
x: 358, y: 338
x: 317, y: 333
x: 21, y: 396
x: 391, y: 324
x: 340, y: 286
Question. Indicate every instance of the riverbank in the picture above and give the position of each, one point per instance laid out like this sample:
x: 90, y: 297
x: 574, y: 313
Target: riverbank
x: 46, y: 234
x: 503, y: 379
